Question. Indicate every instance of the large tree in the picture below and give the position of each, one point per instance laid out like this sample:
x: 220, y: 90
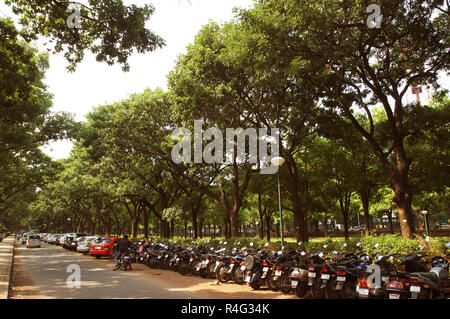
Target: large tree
x: 26, y: 120
x: 334, y: 51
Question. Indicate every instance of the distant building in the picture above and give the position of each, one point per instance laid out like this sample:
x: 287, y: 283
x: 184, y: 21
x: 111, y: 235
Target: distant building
x: 421, y: 93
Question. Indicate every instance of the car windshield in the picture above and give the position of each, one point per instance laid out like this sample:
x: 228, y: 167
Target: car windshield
x: 33, y: 237
x: 106, y: 241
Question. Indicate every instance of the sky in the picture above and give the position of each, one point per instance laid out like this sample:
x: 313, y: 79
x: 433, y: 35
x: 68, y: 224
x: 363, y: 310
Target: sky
x: 96, y: 83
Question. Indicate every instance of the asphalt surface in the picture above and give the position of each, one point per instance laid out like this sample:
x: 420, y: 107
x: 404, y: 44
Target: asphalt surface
x: 51, y: 270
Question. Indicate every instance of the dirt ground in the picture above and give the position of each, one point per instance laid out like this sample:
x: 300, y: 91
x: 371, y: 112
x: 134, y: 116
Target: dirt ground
x: 195, y: 284
x: 22, y: 287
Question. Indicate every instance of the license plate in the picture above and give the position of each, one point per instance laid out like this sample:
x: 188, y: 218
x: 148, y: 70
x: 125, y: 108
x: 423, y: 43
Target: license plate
x: 363, y: 291
x: 394, y: 296
x: 278, y: 273
x: 266, y: 269
x: 312, y: 275
x: 325, y: 276
x: 340, y: 278
x: 294, y: 284
x: 247, y: 279
x: 242, y: 267
x: 98, y: 247
x: 126, y: 257
x: 190, y: 259
x: 415, y: 289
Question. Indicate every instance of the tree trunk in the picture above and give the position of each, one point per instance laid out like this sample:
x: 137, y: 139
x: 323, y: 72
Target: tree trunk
x: 391, y: 226
x: 365, y: 195
x: 134, y: 227
x: 345, y: 205
x: 402, y: 198
x: 300, y: 219
x: 146, y: 215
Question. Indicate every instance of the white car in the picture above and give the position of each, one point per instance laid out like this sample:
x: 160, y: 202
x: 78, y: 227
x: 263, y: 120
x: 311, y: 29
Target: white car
x: 84, y: 245
x: 24, y: 238
x: 33, y: 241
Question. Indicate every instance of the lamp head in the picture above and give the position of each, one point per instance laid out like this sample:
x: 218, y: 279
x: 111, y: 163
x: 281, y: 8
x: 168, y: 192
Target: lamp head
x: 277, y: 161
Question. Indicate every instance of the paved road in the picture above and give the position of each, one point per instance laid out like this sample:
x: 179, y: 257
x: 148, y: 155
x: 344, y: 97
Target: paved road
x: 47, y: 268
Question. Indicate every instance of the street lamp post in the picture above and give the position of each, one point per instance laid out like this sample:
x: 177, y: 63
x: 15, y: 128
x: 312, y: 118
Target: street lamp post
x: 70, y: 227
x: 279, y: 161
x: 425, y: 217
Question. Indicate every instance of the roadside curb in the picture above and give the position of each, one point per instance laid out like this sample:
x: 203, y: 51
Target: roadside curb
x: 6, y: 260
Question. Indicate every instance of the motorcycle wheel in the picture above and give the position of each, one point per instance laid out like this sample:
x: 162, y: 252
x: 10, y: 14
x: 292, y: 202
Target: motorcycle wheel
x: 273, y: 285
x: 203, y: 272
x: 331, y: 293
x: 255, y: 285
x: 285, y: 284
x: 184, y: 268
x: 222, y: 273
x: 302, y: 289
x: 211, y: 272
x: 315, y: 290
x: 164, y: 265
x: 173, y: 267
x: 349, y: 290
x: 151, y: 262
x: 238, y: 276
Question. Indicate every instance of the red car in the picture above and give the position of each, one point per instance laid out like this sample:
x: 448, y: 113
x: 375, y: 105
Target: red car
x: 103, y: 248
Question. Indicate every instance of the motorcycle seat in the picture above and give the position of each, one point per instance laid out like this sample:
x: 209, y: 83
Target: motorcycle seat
x: 427, y: 275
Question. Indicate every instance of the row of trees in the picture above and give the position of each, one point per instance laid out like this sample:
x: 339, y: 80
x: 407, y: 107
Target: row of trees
x: 333, y: 86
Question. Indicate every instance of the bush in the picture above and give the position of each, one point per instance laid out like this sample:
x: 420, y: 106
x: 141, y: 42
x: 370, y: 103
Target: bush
x: 400, y: 246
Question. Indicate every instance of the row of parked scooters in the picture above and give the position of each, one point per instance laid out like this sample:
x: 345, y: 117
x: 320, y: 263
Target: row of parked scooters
x: 336, y: 275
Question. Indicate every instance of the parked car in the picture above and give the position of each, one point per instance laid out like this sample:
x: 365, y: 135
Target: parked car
x: 71, y: 240
x: 54, y: 239
x: 84, y: 245
x: 61, y: 239
x: 103, y: 248
x: 45, y: 237
x: 24, y: 238
x: 76, y: 240
x: 33, y: 241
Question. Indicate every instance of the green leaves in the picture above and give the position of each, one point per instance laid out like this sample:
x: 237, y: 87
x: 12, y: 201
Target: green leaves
x: 109, y: 29
x: 26, y: 122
